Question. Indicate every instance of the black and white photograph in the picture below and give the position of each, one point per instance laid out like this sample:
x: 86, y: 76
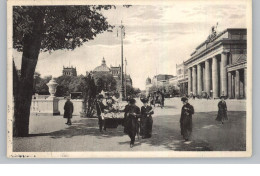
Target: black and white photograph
x: 129, y: 79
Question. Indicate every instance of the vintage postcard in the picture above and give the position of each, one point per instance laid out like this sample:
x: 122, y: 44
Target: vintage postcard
x: 133, y: 79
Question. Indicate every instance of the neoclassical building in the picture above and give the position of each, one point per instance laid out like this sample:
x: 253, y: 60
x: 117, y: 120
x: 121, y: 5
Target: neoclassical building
x: 115, y: 71
x: 218, y: 65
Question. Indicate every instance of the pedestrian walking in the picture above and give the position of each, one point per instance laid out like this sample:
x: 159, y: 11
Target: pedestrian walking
x: 222, y: 110
x: 186, y: 119
x: 126, y: 109
x: 146, y: 119
x: 68, y: 110
x: 131, y: 121
x: 100, y: 112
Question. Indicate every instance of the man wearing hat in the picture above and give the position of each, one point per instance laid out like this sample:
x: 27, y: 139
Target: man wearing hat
x: 68, y: 110
x: 100, y: 109
x: 222, y: 110
x: 186, y: 119
x: 131, y: 121
x: 146, y: 119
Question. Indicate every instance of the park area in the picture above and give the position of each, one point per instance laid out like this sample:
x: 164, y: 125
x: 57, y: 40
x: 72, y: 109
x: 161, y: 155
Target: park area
x: 51, y: 134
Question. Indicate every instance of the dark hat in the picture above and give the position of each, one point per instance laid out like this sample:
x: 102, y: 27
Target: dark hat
x: 144, y: 100
x: 132, y: 101
x: 184, y: 99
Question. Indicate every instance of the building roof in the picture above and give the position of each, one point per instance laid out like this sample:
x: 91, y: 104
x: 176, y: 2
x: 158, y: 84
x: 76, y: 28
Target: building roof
x: 215, y: 41
x: 103, y: 67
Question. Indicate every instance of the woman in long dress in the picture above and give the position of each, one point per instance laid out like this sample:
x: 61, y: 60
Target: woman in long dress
x: 146, y: 119
x: 186, y: 119
x: 222, y: 110
x: 133, y: 113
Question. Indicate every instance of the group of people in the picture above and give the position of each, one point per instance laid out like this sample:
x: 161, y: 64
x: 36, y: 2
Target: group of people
x: 156, y: 98
x: 138, y: 121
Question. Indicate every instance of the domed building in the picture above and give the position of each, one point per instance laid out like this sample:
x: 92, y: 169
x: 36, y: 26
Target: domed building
x: 102, y: 68
x: 115, y: 71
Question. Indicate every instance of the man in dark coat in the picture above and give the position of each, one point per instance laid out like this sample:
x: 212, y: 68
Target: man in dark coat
x: 222, y: 110
x: 68, y: 110
x: 131, y: 121
x: 100, y: 110
x: 146, y: 119
x: 186, y: 119
x: 125, y: 115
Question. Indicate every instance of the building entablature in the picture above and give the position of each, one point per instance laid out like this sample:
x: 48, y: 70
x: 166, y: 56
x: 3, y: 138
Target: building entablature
x: 230, y: 42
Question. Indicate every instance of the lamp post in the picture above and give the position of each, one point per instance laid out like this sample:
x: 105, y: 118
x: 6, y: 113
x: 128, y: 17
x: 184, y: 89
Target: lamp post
x: 125, y: 78
x: 122, y: 32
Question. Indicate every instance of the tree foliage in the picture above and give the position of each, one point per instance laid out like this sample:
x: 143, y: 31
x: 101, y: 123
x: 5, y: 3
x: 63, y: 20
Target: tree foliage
x: 131, y: 91
x: 105, y: 81
x: 64, y: 27
x: 48, y: 28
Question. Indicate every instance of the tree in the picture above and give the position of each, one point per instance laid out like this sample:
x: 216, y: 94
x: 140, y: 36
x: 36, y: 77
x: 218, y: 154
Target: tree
x: 48, y: 28
x: 131, y: 91
x: 105, y: 81
x: 89, y: 91
x: 40, y: 85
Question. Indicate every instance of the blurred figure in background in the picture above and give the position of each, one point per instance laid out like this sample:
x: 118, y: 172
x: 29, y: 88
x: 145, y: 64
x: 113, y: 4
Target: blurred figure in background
x: 68, y: 110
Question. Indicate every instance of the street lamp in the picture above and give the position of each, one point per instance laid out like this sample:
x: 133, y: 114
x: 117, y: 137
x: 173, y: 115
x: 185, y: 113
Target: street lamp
x: 125, y: 78
x: 122, y: 32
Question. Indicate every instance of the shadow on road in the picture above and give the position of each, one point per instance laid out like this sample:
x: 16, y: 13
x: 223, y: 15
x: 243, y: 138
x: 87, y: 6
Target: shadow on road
x: 207, y: 134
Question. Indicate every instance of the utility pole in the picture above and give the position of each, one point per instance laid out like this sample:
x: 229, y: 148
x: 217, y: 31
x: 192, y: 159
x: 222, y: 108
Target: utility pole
x: 122, y: 32
x: 125, y: 78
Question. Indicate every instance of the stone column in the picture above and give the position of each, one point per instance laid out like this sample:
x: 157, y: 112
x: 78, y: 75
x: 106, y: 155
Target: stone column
x: 229, y: 85
x: 207, y: 77
x: 223, y: 71
x: 237, y: 84
x: 199, y: 79
x: 194, y: 80
x: 215, y: 81
x: 245, y: 81
x: 189, y: 81
x: 203, y: 79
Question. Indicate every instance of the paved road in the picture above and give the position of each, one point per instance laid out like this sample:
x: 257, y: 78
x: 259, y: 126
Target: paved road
x: 51, y: 133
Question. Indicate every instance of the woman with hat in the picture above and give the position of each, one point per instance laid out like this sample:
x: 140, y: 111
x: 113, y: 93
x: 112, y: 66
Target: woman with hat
x: 186, y: 119
x: 222, y: 110
x: 131, y: 120
x: 146, y: 119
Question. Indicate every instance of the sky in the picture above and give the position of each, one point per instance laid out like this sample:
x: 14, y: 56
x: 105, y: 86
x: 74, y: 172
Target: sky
x: 157, y: 38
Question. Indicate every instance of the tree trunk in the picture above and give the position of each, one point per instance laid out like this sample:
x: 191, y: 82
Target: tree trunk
x: 23, y: 96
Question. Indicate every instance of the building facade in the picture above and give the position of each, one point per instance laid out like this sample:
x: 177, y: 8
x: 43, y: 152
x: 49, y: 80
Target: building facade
x: 218, y: 66
x: 115, y: 71
x: 159, y: 82
x: 69, y: 71
x: 182, y: 77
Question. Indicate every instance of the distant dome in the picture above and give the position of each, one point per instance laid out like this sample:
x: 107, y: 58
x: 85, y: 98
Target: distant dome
x: 103, y: 67
x: 148, y: 81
